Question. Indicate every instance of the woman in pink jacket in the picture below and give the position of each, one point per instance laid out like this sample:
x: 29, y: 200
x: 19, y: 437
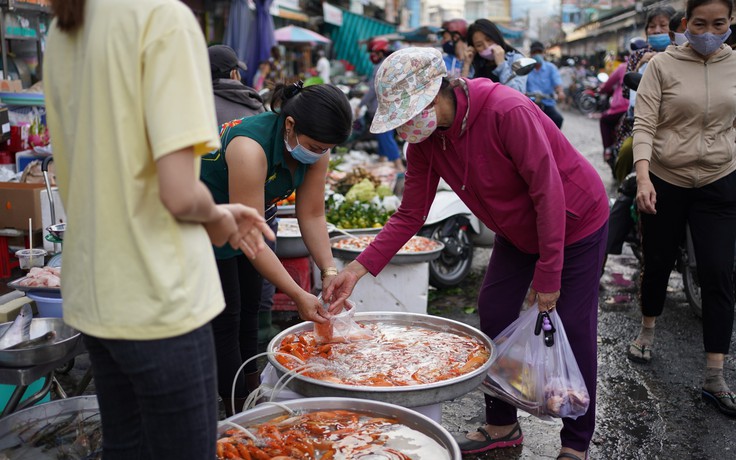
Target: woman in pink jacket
x: 611, y: 117
x: 517, y: 172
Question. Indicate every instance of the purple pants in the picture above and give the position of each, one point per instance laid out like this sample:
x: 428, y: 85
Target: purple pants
x: 505, y: 286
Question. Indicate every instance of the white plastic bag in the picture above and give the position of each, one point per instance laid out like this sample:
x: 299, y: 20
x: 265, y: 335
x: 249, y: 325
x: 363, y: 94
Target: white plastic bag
x: 542, y: 380
x: 341, y: 327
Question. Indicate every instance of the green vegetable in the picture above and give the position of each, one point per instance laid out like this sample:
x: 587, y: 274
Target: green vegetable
x: 383, y: 191
x: 364, y: 191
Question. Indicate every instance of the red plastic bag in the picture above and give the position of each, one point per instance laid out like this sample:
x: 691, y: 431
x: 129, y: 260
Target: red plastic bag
x: 542, y: 380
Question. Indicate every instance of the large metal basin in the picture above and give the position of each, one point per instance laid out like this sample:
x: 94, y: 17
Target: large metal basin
x: 407, y: 396
x: 38, y: 417
x: 64, y: 342
x: 410, y: 418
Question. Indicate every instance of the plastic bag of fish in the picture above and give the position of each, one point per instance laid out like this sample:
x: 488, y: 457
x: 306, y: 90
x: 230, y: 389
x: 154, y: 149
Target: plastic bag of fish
x: 542, y: 380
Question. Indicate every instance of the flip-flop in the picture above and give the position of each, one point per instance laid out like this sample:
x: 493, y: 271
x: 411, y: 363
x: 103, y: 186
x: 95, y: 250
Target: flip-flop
x: 571, y: 456
x: 471, y: 446
x: 639, y: 353
x: 717, y: 399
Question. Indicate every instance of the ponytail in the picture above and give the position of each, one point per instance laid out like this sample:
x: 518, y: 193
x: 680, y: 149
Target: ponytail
x: 69, y: 14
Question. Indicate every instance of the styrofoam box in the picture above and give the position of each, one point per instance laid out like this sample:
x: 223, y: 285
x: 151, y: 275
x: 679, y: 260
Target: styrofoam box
x: 401, y: 288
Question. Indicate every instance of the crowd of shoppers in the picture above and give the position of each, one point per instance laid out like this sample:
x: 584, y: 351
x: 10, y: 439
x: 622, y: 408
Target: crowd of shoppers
x: 167, y: 188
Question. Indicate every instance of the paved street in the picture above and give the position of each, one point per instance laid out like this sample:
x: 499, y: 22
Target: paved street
x: 644, y: 411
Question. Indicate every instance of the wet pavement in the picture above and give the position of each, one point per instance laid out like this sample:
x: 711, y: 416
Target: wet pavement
x: 647, y: 412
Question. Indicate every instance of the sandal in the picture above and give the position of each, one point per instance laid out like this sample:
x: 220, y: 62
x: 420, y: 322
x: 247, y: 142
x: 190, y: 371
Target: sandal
x: 571, y: 456
x: 639, y: 353
x: 471, y: 446
x: 720, y: 400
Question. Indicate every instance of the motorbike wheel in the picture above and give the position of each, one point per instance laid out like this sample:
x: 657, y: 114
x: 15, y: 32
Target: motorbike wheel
x: 456, y: 259
x: 587, y: 104
x: 692, y: 285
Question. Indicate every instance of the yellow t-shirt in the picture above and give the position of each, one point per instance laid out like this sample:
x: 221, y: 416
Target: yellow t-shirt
x: 128, y: 88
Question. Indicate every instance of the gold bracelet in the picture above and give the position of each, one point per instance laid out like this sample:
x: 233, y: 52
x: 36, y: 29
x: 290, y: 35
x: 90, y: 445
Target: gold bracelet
x: 329, y: 271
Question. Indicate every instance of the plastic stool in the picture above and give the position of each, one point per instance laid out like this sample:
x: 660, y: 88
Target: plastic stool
x: 300, y: 269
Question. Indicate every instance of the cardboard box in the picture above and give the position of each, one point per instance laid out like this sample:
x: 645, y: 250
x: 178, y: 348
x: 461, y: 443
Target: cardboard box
x: 18, y: 203
x: 11, y: 86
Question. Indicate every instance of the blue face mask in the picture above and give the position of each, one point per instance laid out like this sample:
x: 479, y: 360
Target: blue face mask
x: 707, y: 43
x: 302, y: 154
x: 539, y: 58
x: 659, y: 42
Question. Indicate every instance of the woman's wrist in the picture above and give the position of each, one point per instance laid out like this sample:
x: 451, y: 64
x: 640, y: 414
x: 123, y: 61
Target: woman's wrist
x: 328, y: 271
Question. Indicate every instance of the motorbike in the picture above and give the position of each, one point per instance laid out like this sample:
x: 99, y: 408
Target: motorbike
x: 451, y: 222
x: 589, y: 98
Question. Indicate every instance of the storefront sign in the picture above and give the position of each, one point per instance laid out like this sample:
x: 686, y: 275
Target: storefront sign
x: 332, y: 14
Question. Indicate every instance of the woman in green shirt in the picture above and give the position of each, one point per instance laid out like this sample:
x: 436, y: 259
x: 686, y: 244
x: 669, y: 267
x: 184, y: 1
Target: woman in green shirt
x: 263, y: 159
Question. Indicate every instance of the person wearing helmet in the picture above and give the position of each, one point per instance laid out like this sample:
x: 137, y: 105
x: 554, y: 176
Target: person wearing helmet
x: 379, y: 48
x: 454, y: 33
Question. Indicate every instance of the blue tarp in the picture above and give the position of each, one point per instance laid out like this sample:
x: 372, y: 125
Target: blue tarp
x: 511, y: 34
x: 356, y: 28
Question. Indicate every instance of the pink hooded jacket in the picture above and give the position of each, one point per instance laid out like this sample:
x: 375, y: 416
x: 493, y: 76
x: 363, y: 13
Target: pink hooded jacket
x: 514, y: 169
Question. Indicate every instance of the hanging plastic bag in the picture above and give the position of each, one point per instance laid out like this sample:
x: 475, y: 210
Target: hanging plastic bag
x: 341, y: 327
x: 535, y: 369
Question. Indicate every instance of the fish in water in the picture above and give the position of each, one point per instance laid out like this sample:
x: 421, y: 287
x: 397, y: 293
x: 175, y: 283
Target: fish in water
x: 20, y: 330
x: 37, y: 342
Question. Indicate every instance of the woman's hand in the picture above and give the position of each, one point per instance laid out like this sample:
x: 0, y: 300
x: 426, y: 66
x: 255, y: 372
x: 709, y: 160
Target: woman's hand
x: 469, y: 55
x: 310, y: 308
x: 242, y: 226
x: 499, y: 54
x: 545, y: 300
x: 646, y: 196
x: 337, y: 290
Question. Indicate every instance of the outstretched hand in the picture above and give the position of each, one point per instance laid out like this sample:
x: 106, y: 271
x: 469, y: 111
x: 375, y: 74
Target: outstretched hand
x: 241, y: 226
x: 337, y: 291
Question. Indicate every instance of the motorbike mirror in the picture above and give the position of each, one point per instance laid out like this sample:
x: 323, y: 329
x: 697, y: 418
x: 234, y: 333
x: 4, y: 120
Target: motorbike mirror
x: 603, y: 77
x: 632, y: 80
x: 523, y: 66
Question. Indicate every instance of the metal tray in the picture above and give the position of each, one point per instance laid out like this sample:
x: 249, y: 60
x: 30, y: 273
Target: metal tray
x: 407, y: 396
x: 15, y: 285
x: 292, y: 245
x: 410, y: 418
x: 42, y: 415
x: 65, y: 341
x: 398, y: 259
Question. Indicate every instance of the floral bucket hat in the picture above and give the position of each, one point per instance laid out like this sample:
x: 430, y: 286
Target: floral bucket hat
x: 406, y: 83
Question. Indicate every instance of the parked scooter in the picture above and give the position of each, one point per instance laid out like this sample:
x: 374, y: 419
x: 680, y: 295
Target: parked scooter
x: 590, y: 99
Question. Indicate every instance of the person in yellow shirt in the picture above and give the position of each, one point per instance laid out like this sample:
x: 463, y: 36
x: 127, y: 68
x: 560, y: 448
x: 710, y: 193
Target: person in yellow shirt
x: 130, y: 109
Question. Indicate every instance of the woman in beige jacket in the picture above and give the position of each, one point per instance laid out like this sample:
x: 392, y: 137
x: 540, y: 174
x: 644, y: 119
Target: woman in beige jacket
x: 685, y: 158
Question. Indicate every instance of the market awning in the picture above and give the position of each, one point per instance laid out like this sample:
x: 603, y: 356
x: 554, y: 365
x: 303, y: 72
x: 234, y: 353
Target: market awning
x: 288, y: 13
x: 509, y: 33
x: 288, y: 9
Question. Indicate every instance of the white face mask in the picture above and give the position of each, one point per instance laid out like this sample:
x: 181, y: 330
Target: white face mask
x: 420, y: 127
